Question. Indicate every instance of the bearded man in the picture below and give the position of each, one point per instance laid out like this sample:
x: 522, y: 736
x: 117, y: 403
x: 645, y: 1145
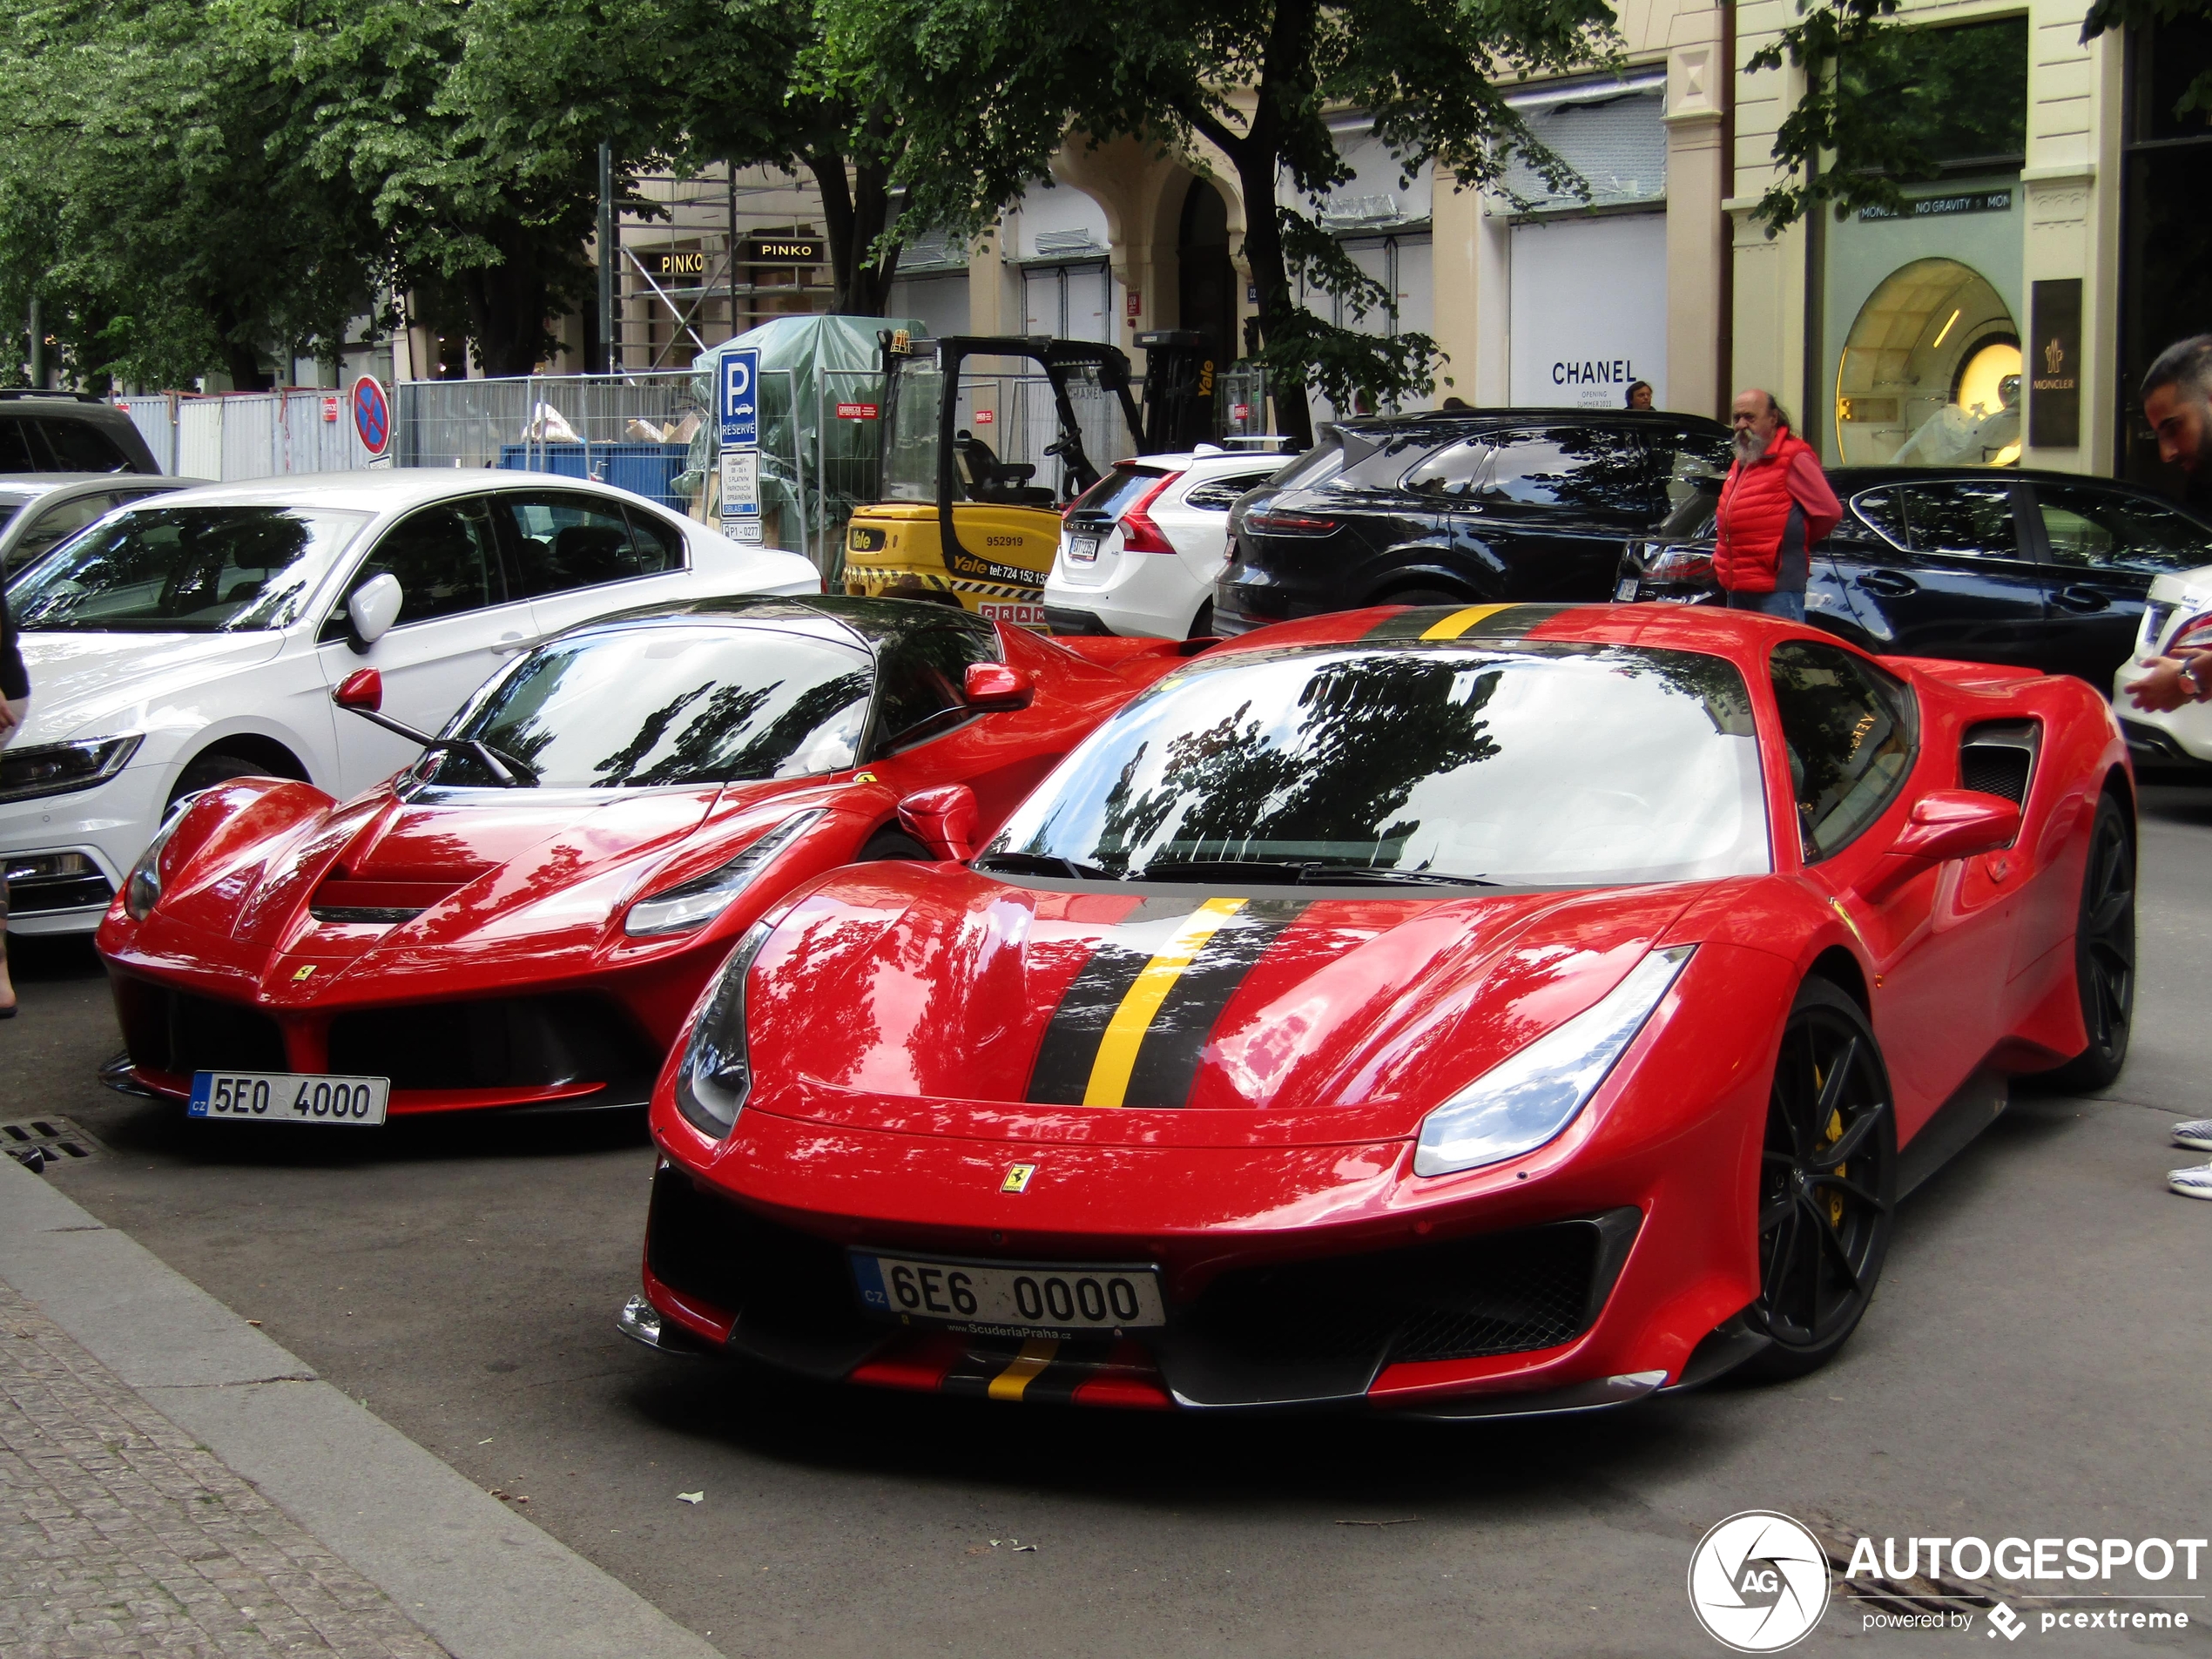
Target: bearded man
x: 1775, y: 508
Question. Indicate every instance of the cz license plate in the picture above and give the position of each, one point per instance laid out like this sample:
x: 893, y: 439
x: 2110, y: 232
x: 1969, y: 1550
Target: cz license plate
x: 289, y: 1097
x: 1083, y: 549
x: 1626, y: 593
x: 997, y: 1299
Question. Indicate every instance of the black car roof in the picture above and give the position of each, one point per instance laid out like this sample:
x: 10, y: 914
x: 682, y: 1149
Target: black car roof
x: 871, y: 622
x: 1475, y: 419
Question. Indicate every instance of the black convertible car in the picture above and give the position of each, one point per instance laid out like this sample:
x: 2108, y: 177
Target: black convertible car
x: 1460, y: 507
x: 2043, y: 569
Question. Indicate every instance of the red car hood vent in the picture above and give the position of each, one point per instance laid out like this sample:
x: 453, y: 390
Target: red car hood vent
x: 896, y: 982
x: 341, y: 901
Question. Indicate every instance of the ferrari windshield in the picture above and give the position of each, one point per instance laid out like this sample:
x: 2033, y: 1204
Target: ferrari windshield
x: 635, y: 707
x: 1522, y: 762
x: 184, y: 570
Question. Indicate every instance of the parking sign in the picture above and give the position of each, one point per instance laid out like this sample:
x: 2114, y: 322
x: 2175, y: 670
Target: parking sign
x: 738, y: 399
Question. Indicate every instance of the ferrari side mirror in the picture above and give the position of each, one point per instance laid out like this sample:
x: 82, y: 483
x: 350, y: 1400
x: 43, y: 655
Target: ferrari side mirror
x: 998, y: 685
x: 1946, y: 824
x: 373, y: 609
x: 363, y: 689
x: 943, y: 820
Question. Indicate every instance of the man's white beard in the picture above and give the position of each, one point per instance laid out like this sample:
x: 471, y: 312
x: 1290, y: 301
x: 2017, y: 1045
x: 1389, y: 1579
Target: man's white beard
x: 1750, y: 446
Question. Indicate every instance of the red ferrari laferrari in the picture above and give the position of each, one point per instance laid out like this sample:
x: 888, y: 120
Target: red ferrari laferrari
x: 522, y: 920
x: 1481, y: 1012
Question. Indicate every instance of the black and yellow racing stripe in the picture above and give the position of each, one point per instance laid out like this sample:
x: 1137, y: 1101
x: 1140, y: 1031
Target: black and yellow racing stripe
x: 1132, y: 1026
x: 1041, y: 1370
x: 1468, y: 622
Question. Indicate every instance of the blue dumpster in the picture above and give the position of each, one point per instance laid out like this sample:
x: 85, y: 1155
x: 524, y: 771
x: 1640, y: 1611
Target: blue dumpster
x: 646, y: 469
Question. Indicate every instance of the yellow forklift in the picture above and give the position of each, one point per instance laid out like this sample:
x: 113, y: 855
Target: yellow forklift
x: 955, y: 523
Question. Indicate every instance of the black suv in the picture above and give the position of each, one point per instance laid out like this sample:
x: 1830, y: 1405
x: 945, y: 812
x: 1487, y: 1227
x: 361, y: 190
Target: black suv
x: 2038, y: 569
x: 69, y: 432
x: 1459, y: 507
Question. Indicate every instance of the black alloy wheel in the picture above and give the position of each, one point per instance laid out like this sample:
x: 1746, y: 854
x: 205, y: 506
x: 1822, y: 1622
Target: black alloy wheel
x: 1827, y: 1183
x: 2104, y: 953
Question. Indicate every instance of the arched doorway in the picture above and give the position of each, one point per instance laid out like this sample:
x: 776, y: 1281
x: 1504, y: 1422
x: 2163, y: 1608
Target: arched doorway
x: 1930, y: 373
x: 1206, y: 281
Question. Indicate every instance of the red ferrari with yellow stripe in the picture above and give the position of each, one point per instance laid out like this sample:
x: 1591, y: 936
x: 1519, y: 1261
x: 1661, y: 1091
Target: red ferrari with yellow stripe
x: 1481, y: 1011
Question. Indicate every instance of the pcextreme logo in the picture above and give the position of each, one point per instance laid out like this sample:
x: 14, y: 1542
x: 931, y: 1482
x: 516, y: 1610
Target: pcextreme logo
x: 1758, y: 1581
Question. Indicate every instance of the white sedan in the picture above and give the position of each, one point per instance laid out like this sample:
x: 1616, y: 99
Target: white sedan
x: 1140, y: 549
x: 2177, y: 609
x: 198, y: 636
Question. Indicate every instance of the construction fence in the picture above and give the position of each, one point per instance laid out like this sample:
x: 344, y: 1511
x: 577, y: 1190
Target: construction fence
x: 248, y: 435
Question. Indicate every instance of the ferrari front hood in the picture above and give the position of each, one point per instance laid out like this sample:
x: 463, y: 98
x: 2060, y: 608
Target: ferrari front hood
x: 911, y: 984
x: 383, y: 885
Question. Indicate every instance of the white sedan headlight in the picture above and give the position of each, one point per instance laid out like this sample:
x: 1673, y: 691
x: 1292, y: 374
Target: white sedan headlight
x: 1527, y: 1098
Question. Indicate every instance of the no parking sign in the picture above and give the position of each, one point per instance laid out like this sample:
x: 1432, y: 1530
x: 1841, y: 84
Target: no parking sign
x: 372, y: 414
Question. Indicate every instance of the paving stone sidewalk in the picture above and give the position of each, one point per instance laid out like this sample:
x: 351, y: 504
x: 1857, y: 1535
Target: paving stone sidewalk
x: 119, y: 1535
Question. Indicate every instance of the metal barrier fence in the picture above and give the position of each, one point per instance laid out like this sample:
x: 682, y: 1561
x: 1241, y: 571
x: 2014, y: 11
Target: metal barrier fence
x: 248, y: 435
x: 652, y: 433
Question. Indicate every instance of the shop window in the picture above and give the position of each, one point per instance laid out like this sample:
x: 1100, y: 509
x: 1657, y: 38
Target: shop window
x: 2165, y: 288
x: 1952, y: 99
x: 1930, y: 374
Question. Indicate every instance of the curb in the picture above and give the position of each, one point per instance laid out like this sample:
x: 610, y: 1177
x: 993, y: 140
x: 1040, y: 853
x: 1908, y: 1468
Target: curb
x: 484, y: 1581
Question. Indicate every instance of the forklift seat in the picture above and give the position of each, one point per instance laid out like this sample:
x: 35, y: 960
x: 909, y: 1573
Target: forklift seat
x: 988, y: 479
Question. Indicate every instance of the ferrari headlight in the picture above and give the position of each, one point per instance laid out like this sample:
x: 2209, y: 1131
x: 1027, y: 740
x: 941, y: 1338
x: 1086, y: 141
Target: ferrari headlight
x: 142, y: 887
x: 717, y: 1074
x: 60, y: 768
x: 1527, y: 1098
x: 694, y: 903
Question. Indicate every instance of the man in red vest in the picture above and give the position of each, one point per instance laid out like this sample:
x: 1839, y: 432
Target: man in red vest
x: 1775, y: 507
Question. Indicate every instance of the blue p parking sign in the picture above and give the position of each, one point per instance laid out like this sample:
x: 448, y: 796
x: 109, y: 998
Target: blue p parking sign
x: 738, y: 399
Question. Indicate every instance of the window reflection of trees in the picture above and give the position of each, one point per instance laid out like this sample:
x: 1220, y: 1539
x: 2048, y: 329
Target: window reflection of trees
x: 1850, y: 739
x: 1370, y: 730
x: 714, y: 731
x: 1585, y: 467
x: 1330, y: 783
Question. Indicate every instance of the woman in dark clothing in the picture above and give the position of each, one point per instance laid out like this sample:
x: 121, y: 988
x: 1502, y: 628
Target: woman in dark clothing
x: 15, y: 698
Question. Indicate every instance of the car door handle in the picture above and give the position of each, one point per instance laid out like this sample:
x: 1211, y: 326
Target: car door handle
x: 1889, y: 584
x: 507, y: 644
x: 2080, y: 597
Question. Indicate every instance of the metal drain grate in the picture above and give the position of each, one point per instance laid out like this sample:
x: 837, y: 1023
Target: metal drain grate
x: 37, y: 1142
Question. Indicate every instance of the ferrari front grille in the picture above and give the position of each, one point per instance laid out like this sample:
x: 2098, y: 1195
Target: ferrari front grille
x: 785, y: 1284
x: 1505, y: 1293
x: 172, y: 1031
x: 492, y: 1043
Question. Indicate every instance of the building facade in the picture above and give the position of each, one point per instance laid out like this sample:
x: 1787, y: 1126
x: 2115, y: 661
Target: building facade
x: 2004, y: 317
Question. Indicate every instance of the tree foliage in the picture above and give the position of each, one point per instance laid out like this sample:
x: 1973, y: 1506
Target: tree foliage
x: 1888, y: 103
x: 156, y: 197
x: 986, y: 91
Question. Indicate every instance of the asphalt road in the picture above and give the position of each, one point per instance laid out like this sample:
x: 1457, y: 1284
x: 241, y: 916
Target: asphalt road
x: 2035, y: 1364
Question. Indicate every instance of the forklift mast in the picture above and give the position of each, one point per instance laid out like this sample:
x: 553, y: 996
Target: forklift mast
x: 1178, y: 390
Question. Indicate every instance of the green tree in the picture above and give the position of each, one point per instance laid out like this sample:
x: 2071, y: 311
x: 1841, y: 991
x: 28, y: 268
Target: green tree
x: 154, y: 198
x: 1888, y: 103
x: 984, y: 91
x: 682, y: 84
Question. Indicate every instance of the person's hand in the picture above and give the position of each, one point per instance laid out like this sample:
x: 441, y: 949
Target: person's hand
x: 8, y: 720
x: 2167, y: 686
